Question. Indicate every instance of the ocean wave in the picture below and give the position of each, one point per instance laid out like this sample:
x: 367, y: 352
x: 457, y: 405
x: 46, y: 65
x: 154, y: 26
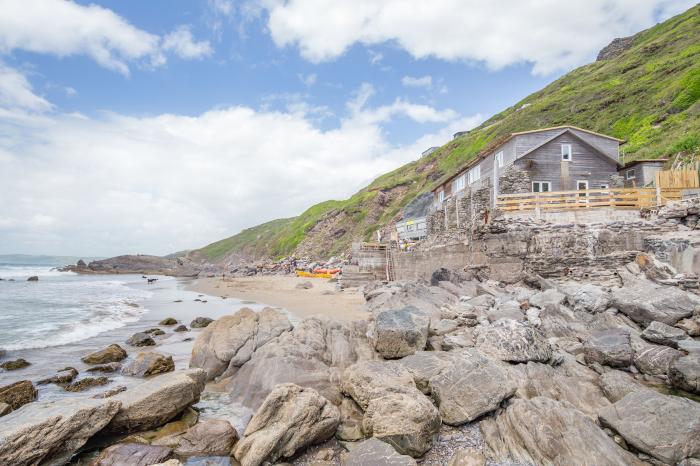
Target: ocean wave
x: 59, y: 333
x: 22, y: 271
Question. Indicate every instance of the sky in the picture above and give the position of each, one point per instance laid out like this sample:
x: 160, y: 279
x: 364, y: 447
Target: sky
x: 153, y: 127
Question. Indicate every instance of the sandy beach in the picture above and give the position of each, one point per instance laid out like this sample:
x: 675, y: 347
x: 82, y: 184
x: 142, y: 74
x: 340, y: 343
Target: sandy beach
x: 282, y: 291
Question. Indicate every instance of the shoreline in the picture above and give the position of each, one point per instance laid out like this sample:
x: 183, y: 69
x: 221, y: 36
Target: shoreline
x: 281, y: 291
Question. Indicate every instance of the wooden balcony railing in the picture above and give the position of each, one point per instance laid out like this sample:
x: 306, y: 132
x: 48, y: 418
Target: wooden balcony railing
x: 618, y: 198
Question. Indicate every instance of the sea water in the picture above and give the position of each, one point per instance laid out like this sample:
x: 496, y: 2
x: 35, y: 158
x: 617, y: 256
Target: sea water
x: 63, y: 307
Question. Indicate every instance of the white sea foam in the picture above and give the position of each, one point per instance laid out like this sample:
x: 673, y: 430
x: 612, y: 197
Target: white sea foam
x: 63, y: 308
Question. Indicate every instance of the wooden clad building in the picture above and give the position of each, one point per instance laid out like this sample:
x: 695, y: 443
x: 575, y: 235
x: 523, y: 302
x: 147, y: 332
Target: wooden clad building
x: 562, y: 158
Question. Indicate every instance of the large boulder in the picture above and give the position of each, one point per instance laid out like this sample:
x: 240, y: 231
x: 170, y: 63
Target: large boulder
x: 18, y: 394
x: 568, y: 381
x: 50, y: 432
x: 290, y: 418
x: 544, y: 431
x: 408, y: 421
x: 658, y: 332
x: 590, y: 298
x: 141, y: 339
x: 367, y: 380
x: 665, y: 427
x: 229, y: 342
x: 609, y: 347
x: 617, y: 384
x: 151, y: 363
x: 156, y: 401
x: 464, y: 384
x: 133, y: 454
x: 512, y: 341
x: 395, y: 410
x: 313, y: 354
x: 549, y: 299
x: 213, y: 437
x: 654, y: 359
x: 644, y: 301
x: 684, y: 373
x: 376, y: 453
x: 396, y: 333
x: 201, y: 322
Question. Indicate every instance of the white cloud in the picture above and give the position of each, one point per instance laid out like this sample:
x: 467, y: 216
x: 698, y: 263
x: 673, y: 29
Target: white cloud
x: 410, y: 81
x: 16, y: 92
x: 181, y: 42
x: 119, y: 184
x: 307, y: 79
x: 375, y: 57
x: 550, y: 34
x: 65, y: 28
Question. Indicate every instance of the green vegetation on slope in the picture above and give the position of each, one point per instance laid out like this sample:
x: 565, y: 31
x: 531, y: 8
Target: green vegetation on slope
x: 647, y: 95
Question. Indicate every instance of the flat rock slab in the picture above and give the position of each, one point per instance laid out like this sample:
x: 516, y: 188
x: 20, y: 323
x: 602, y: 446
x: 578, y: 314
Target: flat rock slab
x: 50, y: 432
x: 609, y: 348
x: 548, y: 432
x: 377, y: 453
x: 133, y: 454
x: 512, y: 341
x: 644, y: 302
x: 156, y: 401
x: 464, y: 383
x: 655, y: 359
x: 213, y: 437
x: 665, y: 427
x: 658, y: 332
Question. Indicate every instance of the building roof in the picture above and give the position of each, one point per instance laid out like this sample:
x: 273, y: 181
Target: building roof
x: 621, y: 141
x: 637, y: 162
x: 500, y: 142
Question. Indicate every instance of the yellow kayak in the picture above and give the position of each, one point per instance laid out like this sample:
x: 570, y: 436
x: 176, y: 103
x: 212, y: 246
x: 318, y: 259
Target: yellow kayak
x: 303, y: 273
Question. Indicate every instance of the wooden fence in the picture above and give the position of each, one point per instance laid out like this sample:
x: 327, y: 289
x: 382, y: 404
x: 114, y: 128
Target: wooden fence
x: 618, y: 198
x: 674, y: 179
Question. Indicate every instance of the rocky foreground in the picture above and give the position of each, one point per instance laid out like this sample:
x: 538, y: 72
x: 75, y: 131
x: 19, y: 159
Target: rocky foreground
x: 459, y: 372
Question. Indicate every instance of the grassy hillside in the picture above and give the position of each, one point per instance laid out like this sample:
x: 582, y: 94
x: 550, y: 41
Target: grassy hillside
x: 648, y: 95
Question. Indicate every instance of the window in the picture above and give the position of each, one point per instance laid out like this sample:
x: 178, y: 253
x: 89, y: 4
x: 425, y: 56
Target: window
x: 498, y: 161
x: 458, y: 184
x: 410, y: 227
x: 441, y: 196
x: 630, y: 174
x: 604, y: 186
x: 541, y: 187
x: 474, y: 174
x: 566, y: 152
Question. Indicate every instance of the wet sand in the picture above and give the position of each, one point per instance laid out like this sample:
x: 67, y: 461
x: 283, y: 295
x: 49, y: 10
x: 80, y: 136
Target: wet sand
x: 276, y: 290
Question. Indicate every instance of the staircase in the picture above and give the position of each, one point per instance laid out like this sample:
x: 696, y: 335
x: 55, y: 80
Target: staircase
x: 390, y: 265
x: 353, y: 278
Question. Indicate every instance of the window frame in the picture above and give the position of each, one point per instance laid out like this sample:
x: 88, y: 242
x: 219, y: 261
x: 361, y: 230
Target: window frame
x: 459, y: 183
x: 474, y: 174
x: 541, y: 184
x: 498, y: 160
x: 570, y: 153
x: 634, y: 174
x: 441, y: 195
